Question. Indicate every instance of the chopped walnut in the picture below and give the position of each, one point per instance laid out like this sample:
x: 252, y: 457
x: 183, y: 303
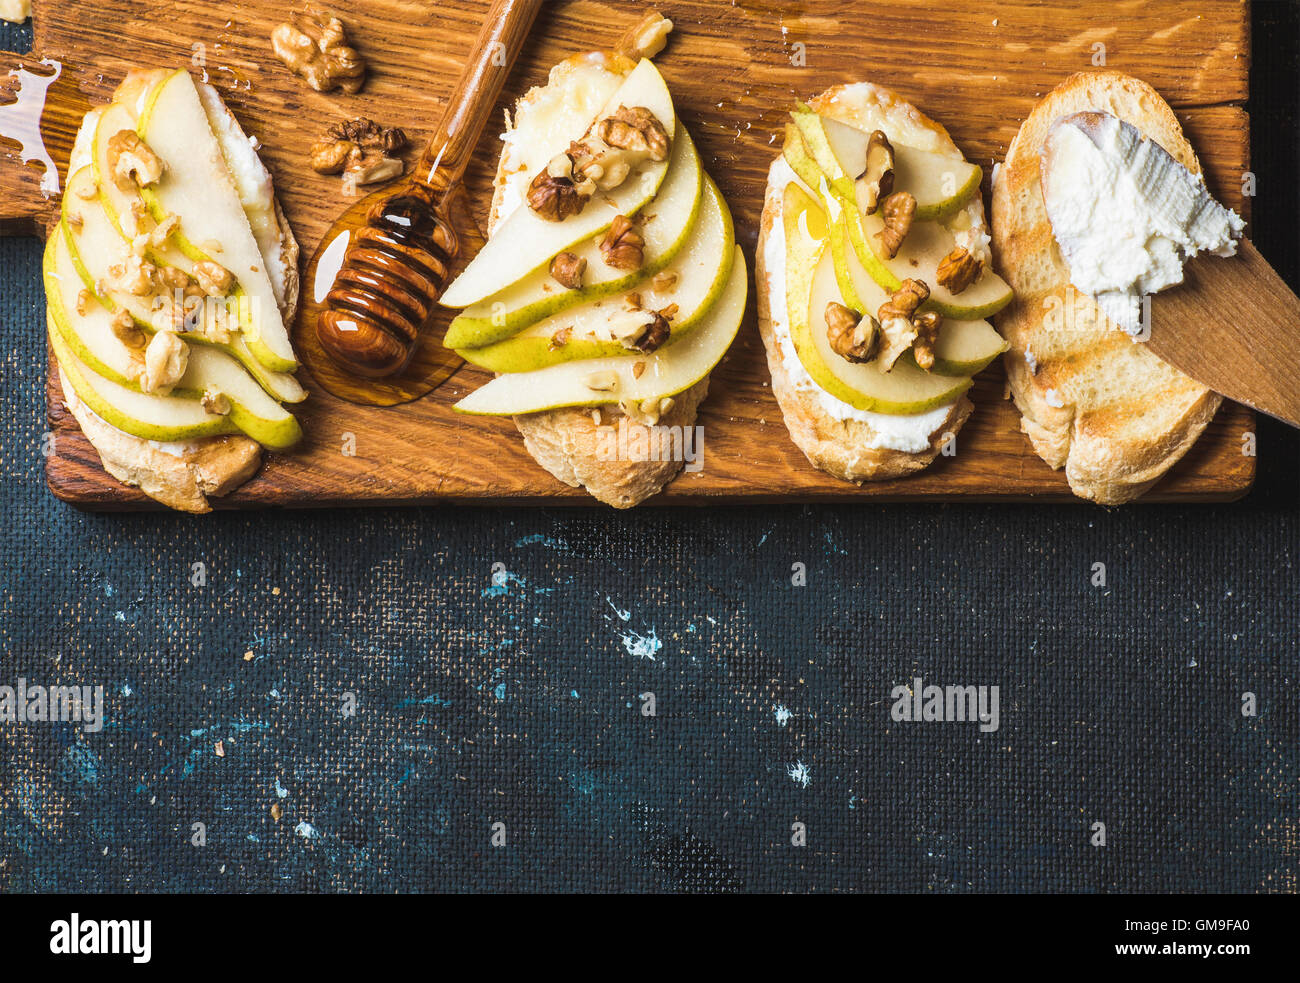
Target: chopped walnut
x: 315, y: 46
x: 131, y: 161
x: 133, y: 276
x: 567, y: 269
x: 853, y: 338
x: 616, y: 145
x: 344, y: 145
x: 664, y: 281
x: 213, y: 279
x: 646, y: 412
x: 622, y: 246
x: 638, y: 369
x: 878, y: 178
x: 164, y: 230
x: 927, y: 334
x: 897, y: 323
x: 958, y: 270
x: 370, y: 169
x: 556, y: 193
x: 602, y: 382
x: 646, y: 38
x: 165, y: 361
x: 216, y: 402
x: 332, y: 156
x: 171, y: 278
x: 84, y: 301
x: 127, y: 331
x: 897, y: 211
x: 560, y: 338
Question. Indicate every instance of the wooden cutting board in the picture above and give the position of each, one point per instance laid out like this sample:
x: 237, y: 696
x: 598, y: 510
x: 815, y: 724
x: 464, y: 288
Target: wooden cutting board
x: 977, y: 68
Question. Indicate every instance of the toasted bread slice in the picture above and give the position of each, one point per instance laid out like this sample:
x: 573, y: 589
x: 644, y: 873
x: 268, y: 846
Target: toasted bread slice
x: 1092, y: 400
x: 564, y: 441
x: 183, y: 476
x: 840, y: 440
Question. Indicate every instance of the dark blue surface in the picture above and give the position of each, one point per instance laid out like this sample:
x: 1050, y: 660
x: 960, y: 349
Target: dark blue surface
x: 516, y: 699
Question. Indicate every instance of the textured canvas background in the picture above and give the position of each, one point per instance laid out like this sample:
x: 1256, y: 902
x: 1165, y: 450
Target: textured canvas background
x: 516, y: 699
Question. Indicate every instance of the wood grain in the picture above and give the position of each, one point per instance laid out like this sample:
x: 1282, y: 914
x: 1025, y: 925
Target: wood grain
x: 978, y: 68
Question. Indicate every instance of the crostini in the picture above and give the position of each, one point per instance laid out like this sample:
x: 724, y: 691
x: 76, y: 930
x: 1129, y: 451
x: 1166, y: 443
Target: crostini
x: 611, y: 283
x: 170, y: 281
x: 874, y: 281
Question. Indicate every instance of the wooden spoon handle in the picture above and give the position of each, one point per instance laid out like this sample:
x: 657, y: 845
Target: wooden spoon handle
x: 471, y: 105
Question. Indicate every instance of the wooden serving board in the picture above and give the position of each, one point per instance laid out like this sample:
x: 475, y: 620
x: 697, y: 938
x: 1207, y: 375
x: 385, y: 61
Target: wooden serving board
x: 977, y: 67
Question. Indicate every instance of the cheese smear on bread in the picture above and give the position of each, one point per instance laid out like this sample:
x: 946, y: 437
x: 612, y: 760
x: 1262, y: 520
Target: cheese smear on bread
x: 1126, y: 214
x: 910, y: 434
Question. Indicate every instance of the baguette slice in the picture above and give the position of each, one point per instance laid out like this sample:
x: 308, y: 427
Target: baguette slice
x: 564, y: 441
x: 843, y: 442
x: 183, y: 476
x: 1092, y: 400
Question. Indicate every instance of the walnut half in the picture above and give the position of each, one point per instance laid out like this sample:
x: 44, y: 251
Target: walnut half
x: 853, y: 338
x: 958, y: 270
x: 623, y: 247
x: 556, y: 192
x: 132, y: 162
x: 314, y: 44
x: 646, y: 38
x: 897, y: 323
x: 567, y: 269
x: 897, y: 210
x: 878, y: 179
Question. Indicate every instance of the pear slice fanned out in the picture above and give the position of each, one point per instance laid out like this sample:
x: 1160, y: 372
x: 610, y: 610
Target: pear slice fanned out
x: 197, y: 188
x: 526, y: 242
x: 810, y: 286
x: 539, y: 295
x: 964, y: 347
x: 148, y: 416
x: 90, y: 337
x: 701, y: 273
x: 663, y: 373
x: 96, y: 245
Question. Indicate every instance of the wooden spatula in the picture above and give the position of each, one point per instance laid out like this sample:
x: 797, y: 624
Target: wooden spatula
x: 1233, y: 325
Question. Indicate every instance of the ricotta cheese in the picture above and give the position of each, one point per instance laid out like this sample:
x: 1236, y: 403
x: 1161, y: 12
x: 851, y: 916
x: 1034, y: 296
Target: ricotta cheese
x: 910, y: 434
x: 1126, y: 214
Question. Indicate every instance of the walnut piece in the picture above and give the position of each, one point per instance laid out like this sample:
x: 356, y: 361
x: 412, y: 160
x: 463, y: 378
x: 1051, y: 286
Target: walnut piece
x: 646, y: 412
x: 899, y: 327
x: 133, y: 276
x: 215, y: 401
x: 617, y: 144
x: 655, y: 333
x: 556, y: 192
x: 567, y: 269
x: 927, y: 333
x: 560, y: 338
x: 897, y: 211
x: 622, y: 246
x: 646, y: 38
x: 345, y: 144
x: 370, y: 169
x: 878, y: 178
x: 213, y: 279
x: 127, y: 331
x: 165, y: 361
x: 853, y: 338
x: 131, y: 161
x: 602, y: 382
x: 315, y: 46
x: 958, y: 270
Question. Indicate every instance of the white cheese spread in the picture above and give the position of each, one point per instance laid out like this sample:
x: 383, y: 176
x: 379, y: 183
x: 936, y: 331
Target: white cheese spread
x: 1126, y: 214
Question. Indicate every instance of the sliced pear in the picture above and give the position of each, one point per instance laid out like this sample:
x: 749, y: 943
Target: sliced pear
x: 96, y: 244
x: 702, y: 270
x: 664, y: 373
x: 810, y: 286
x: 539, y: 295
x: 151, y: 417
x: 525, y: 242
x: 926, y: 245
x: 90, y: 337
x: 197, y: 188
x: 941, y: 185
x: 964, y: 347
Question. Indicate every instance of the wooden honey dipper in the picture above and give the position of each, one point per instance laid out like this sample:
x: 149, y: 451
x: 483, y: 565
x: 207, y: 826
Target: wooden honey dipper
x: 397, y: 264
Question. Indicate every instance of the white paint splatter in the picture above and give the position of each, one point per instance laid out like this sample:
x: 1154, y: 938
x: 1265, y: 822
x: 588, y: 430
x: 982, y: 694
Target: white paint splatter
x: 642, y: 646
x: 622, y: 615
x: 782, y: 714
x: 307, y: 831
x: 799, y: 774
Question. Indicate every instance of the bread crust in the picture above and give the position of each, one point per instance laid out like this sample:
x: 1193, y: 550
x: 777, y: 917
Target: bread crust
x: 1113, y: 449
x: 843, y: 447
x: 565, y: 441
